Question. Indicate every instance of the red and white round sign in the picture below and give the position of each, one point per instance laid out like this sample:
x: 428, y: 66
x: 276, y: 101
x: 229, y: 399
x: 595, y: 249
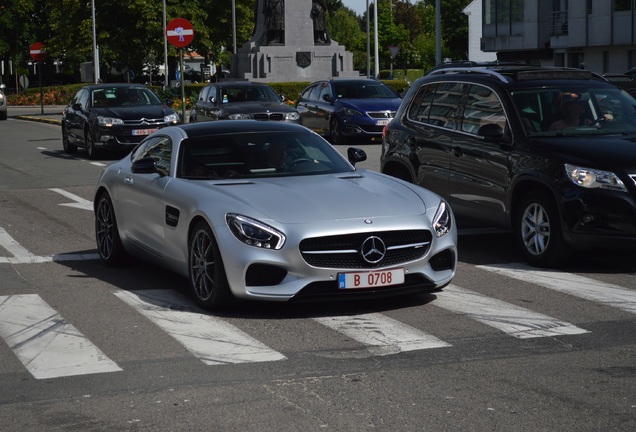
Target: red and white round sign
x: 37, y: 51
x: 180, y: 32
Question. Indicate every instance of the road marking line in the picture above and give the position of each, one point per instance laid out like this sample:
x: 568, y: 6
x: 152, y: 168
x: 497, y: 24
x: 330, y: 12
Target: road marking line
x: 568, y: 283
x: 382, y: 335
x: 79, y: 203
x: 212, y: 340
x: 511, y: 319
x: 45, y: 343
x: 23, y: 256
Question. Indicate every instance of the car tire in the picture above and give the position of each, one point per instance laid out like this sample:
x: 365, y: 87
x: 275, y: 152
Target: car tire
x: 68, y: 147
x: 400, y: 173
x: 90, y: 144
x: 109, y: 245
x: 208, y: 281
x: 539, y: 232
x: 335, y: 132
x: 3, y: 115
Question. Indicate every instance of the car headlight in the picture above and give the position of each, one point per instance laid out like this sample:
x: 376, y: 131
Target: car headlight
x: 254, y: 233
x: 592, y: 178
x: 109, y: 121
x: 171, y: 118
x: 352, y: 112
x: 292, y: 116
x: 239, y: 116
x: 442, y: 221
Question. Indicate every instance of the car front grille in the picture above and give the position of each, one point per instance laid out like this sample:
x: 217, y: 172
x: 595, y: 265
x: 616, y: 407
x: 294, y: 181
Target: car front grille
x: 345, y: 251
x: 381, y: 114
x: 269, y: 116
x: 145, y: 123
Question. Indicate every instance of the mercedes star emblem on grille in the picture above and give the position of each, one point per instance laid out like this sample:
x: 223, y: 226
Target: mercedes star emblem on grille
x: 373, y: 250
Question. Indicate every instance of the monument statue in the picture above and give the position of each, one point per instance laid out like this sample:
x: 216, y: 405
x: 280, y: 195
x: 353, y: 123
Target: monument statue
x: 319, y: 18
x: 274, y: 11
x: 291, y: 43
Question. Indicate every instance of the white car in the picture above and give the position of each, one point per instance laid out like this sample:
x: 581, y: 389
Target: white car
x: 271, y: 211
x: 3, y: 103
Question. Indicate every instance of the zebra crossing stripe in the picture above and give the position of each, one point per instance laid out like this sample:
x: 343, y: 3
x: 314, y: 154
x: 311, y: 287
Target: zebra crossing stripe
x: 382, y: 335
x: 568, y: 283
x: 45, y: 343
x: 208, y: 338
x: 511, y: 319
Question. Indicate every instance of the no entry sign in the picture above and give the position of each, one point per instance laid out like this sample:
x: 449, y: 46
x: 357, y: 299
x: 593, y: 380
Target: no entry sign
x: 180, y: 32
x: 37, y: 52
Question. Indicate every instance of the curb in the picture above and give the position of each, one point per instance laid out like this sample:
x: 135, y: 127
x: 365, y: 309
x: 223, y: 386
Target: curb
x: 39, y: 119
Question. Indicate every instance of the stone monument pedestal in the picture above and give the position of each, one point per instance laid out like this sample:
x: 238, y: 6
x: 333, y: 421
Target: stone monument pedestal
x: 298, y: 57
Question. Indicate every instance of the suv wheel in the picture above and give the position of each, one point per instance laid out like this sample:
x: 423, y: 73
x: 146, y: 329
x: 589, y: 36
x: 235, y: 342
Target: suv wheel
x: 538, y: 231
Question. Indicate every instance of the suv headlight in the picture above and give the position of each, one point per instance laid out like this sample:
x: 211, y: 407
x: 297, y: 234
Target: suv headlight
x: 292, y: 116
x: 109, y: 121
x: 171, y: 118
x: 254, y: 233
x: 239, y: 116
x: 442, y: 221
x: 592, y: 178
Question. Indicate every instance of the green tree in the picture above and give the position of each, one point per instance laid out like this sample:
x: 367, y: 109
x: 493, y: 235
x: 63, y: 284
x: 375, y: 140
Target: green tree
x: 344, y: 28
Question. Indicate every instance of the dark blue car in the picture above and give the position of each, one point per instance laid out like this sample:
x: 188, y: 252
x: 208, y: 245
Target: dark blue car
x: 345, y: 108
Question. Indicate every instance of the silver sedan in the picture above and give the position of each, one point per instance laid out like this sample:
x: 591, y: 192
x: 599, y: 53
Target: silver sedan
x: 271, y: 211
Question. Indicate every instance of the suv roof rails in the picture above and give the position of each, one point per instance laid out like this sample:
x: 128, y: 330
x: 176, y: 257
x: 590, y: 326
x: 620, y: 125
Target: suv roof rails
x: 521, y: 72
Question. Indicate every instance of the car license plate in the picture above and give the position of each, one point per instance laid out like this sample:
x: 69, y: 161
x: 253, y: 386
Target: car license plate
x: 143, y: 131
x: 371, y: 279
x: 382, y: 122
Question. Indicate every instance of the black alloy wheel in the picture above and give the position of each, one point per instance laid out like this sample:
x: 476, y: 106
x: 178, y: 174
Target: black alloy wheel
x: 68, y: 147
x: 335, y: 131
x: 90, y: 144
x: 109, y: 244
x: 208, y: 281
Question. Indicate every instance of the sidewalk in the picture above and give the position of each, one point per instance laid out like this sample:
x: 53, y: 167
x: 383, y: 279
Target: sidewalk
x: 46, y: 114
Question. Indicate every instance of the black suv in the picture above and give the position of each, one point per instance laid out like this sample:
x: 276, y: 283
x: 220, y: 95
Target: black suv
x: 547, y: 152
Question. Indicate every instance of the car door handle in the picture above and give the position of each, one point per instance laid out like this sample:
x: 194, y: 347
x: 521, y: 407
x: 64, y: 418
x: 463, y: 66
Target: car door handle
x: 128, y: 180
x: 457, y: 151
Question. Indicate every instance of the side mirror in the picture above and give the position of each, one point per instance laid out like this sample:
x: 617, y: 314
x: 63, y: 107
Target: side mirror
x: 491, y: 132
x: 169, y: 102
x: 356, y: 155
x: 77, y: 106
x: 328, y: 98
x: 145, y: 166
x: 212, y: 99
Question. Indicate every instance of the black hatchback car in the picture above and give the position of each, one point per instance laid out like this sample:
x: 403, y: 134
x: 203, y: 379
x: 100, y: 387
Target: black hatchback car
x: 547, y: 152
x: 242, y: 100
x: 114, y: 117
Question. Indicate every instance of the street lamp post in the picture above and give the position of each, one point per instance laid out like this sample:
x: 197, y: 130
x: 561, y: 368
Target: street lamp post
x: 165, y: 48
x: 95, y: 48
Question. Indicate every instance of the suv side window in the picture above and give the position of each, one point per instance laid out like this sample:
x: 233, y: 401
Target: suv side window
x: 445, y: 104
x: 482, y: 107
x: 421, y: 106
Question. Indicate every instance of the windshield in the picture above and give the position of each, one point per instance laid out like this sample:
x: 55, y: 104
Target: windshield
x: 362, y: 90
x: 576, y: 111
x: 251, y: 155
x: 240, y: 94
x: 123, y: 96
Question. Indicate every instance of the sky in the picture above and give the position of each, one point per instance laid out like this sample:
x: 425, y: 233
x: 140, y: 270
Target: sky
x: 359, y: 6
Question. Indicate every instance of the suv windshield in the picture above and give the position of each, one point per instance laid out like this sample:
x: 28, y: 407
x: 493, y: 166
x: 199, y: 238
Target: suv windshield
x: 575, y: 110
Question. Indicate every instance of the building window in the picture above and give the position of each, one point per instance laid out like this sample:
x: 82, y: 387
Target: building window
x: 589, y: 7
x: 622, y: 5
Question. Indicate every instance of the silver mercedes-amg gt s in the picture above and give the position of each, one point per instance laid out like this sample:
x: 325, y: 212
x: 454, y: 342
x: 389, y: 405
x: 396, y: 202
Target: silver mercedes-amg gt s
x: 271, y: 211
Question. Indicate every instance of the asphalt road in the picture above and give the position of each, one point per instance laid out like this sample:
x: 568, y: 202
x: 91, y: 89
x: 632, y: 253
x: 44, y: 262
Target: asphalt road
x: 89, y: 348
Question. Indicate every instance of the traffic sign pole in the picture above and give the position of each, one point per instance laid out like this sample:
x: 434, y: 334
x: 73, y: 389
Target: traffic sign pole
x: 182, y: 85
x: 180, y: 33
x: 38, y: 55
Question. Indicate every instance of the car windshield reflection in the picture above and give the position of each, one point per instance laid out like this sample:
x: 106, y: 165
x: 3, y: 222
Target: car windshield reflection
x: 362, y: 90
x: 576, y: 111
x: 249, y: 155
x: 105, y: 97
